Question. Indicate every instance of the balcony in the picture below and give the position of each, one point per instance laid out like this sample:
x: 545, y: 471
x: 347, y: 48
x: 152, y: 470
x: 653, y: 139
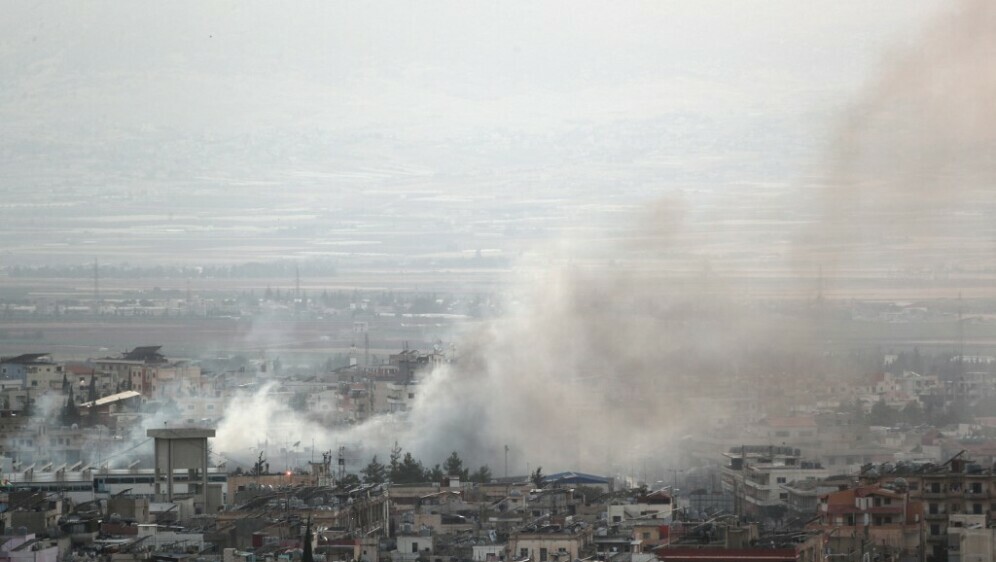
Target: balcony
x: 935, y: 516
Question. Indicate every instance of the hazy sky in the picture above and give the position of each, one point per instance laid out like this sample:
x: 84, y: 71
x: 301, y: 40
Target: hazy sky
x: 510, y: 99
x: 90, y: 68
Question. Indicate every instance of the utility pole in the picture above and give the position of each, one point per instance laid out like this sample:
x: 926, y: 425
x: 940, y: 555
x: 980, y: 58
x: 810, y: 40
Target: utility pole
x: 96, y: 287
x: 297, y: 289
x: 506, y: 461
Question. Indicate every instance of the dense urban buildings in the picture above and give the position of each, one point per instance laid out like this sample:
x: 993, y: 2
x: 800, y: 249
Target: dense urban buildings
x: 847, y: 473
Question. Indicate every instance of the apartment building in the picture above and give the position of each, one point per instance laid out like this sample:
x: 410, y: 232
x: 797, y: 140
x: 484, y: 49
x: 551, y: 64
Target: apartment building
x: 754, y: 476
x: 871, y: 519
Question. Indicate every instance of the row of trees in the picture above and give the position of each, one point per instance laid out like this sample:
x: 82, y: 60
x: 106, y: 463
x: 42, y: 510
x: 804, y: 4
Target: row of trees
x: 70, y: 412
x: 935, y: 413
x: 406, y: 469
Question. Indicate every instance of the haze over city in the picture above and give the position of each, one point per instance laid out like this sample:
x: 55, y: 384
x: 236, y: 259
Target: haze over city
x: 648, y: 247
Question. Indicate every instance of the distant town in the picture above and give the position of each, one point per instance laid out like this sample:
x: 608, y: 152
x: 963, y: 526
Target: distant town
x: 897, y: 464
x: 517, y: 281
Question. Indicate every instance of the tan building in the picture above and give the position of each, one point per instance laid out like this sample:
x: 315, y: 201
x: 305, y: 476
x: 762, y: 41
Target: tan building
x: 34, y: 370
x: 549, y: 545
x: 962, y: 487
x: 870, y: 519
x: 970, y: 540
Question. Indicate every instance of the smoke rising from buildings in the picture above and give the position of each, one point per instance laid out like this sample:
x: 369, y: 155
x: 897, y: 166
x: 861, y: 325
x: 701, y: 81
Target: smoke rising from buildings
x: 595, y: 366
x: 601, y: 358
x: 607, y: 355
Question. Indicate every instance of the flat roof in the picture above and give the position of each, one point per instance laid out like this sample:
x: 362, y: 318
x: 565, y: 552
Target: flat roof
x: 181, y: 433
x: 112, y: 398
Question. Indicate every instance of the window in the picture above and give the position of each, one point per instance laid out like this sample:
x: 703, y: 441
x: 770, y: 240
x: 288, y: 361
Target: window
x: 414, y: 546
x: 780, y: 480
x: 542, y: 555
x: 523, y: 553
x: 646, y: 536
x: 977, y: 508
x: 935, y: 529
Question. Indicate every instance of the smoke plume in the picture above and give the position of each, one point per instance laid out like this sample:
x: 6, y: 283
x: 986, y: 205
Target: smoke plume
x: 604, y: 351
x: 911, y: 171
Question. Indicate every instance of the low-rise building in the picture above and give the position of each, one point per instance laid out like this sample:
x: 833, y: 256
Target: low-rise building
x: 411, y: 547
x: 28, y: 548
x: 657, y: 505
x: 550, y: 543
x: 970, y: 540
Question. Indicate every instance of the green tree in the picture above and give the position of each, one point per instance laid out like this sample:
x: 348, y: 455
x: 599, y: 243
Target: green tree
x: 395, y: 462
x: 410, y: 471
x: 375, y: 472
x: 913, y: 413
x: 481, y: 475
x: 70, y: 414
x: 454, y: 466
x: 435, y: 474
x: 92, y: 399
x: 537, y: 477
x: 882, y: 414
x: 349, y: 480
